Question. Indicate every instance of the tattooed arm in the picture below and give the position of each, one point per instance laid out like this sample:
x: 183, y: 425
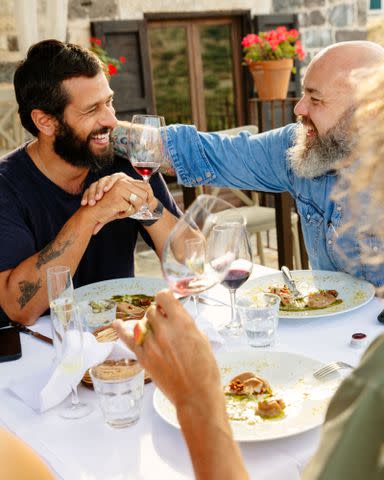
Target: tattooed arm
x: 23, y: 289
x: 119, y: 139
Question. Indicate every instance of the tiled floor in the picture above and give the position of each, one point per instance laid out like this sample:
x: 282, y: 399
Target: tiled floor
x: 147, y: 264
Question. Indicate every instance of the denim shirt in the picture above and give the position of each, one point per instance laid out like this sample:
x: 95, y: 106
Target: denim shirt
x: 259, y: 162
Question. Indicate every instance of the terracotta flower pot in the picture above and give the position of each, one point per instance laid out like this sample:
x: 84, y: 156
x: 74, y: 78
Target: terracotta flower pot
x: 271, y: 78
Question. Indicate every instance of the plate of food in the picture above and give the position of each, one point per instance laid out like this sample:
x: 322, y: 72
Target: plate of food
x: 324, y: 293
x: 132, y: 295
x: 269, y: 395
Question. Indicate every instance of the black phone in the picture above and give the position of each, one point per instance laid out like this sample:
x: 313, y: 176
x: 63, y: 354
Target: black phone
x: 10, y: 347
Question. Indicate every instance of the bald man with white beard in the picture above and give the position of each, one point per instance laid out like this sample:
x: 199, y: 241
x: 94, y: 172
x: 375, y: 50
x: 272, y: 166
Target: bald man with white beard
x: 300, y: 158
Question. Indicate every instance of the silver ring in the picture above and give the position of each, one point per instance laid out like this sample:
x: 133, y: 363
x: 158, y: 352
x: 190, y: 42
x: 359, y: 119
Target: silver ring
x: 132, y: 197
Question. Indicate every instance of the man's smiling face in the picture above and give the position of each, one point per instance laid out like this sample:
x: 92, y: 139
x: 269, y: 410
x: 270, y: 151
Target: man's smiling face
x: 83, y: 135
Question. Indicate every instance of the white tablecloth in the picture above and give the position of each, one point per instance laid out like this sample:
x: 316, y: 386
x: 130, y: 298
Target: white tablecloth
x: 90, y: 449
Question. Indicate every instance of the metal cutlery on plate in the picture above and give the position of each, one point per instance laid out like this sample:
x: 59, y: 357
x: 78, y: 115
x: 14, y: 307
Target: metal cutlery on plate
x: 298, y: 297
x: 330, y: 368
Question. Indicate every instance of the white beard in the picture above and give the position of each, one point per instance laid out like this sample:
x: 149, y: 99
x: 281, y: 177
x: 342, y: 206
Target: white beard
x: 315, y: 157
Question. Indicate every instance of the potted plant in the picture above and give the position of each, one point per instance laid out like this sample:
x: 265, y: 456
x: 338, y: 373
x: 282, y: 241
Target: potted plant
x: 269, y: 56
x: 111, y: 65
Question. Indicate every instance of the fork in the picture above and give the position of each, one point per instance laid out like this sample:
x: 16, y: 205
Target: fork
x: 330, y: 368
x: 298, y: 297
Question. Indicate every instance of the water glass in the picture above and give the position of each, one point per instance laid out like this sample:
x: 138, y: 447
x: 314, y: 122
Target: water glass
x: 98, y: 314
x: 259, y: 315
x: 119, y: 385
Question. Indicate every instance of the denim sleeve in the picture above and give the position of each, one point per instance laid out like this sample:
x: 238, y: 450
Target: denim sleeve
x: 244, y: 161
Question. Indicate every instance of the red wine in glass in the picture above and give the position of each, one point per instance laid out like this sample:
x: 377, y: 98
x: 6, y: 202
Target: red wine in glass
x: 146, y: 169
x: 235, y: 278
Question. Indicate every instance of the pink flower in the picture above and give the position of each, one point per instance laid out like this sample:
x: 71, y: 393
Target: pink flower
x: 95, y: 40
x: 250, y: 39
x: 122, y: 59
x: 112, y: 70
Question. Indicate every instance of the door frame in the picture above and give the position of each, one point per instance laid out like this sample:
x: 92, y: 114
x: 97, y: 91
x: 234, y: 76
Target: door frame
x: 191, y: 20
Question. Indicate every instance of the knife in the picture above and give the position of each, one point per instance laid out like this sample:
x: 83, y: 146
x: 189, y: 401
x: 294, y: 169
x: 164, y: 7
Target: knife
x: 23, y: 329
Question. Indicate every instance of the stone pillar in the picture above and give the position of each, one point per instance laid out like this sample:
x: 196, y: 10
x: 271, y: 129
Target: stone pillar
x: 56, y: 20
x: 26, y: 23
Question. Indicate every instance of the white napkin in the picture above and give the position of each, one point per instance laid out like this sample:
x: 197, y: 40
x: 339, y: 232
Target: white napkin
x: 50, y: 386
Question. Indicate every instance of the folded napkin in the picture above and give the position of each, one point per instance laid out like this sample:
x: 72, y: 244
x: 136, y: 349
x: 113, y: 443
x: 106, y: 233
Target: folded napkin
x: 204, y: 323
x: 50, y: 386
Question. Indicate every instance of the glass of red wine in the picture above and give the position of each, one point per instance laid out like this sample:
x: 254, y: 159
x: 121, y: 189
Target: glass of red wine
x: 147, y: 151
x: 191, y: 262
x: 239, y: 270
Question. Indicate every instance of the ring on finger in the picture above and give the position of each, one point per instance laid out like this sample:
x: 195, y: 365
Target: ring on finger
x: 132, y: 197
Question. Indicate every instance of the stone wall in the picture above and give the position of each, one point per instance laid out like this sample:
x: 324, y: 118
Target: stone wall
x: 323, y: 22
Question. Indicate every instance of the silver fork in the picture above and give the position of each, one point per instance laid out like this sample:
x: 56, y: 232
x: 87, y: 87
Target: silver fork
x: 298, y: 297
x: 330, y: 368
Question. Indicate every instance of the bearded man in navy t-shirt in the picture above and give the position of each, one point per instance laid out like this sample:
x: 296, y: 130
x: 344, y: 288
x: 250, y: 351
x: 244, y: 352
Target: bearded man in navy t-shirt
x: 65, y: 101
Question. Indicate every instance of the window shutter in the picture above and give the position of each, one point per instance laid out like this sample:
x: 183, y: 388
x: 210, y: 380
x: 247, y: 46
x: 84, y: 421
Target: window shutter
x: 133, y: 83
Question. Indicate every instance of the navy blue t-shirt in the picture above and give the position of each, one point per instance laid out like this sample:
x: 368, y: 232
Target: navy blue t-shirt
x: 33, y: 210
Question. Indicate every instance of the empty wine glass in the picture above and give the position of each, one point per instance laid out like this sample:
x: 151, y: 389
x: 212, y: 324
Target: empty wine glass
x: 195, y: 257
x: 239, y: 269
x: 147, y: 150
x: 69, y: 333
x: 190, y: 274
x: 60, y: 293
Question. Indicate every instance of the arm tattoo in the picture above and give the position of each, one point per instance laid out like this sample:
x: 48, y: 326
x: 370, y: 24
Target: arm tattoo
x: 120, y: 142
x: 48, y: 253
x: 28, y: 290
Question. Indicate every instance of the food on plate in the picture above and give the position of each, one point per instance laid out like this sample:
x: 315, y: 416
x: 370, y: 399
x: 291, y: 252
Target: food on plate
x: 248, y: 383
x: 250, y: 396
x: 270, y: 408
x: 129, y: 307
x: 312, y: 301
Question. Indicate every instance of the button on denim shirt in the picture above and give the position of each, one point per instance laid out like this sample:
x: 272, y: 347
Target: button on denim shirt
x: 259, y: 162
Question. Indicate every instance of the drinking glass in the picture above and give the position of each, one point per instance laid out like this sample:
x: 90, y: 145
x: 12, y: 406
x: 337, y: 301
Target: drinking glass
x: 259, y: 315
x: 119, y: 385
x: 147, y: 151
x: 191, y: 263
x: 239, y: 269
x: 67, y: 324
x: 60, y: 293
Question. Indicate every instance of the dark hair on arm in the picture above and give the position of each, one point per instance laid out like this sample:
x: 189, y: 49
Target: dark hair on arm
x: 38, y: 78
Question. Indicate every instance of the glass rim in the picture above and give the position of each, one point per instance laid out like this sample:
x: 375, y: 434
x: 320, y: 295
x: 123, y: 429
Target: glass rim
x: 123, y: 372
x: 254, y: 305
x: 58, y: 269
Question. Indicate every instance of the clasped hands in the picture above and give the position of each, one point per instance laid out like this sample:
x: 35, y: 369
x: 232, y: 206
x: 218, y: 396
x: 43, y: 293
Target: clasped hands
x: 116, y: 196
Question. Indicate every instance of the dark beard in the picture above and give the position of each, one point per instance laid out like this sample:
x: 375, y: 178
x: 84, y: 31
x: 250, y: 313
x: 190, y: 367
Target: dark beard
x: 77, y: 152
x: 316, y: 156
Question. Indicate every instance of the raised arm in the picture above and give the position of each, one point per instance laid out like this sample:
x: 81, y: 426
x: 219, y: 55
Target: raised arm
x: 180, y: 360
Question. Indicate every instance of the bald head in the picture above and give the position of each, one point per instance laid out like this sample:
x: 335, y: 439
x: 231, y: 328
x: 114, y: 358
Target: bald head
x: 340, y: 59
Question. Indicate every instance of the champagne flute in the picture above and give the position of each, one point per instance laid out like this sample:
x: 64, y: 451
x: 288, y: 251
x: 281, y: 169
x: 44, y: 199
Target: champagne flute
x: 147, y: 150
x: 68, y: 325
x: 188, y: 274
x: 239, y: 269
x: 60, y: 294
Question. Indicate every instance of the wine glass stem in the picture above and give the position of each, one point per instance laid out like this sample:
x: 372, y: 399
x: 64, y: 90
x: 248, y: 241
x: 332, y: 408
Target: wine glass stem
x: 75, y: 398
x: 196, y: 303
x: 232, y: 296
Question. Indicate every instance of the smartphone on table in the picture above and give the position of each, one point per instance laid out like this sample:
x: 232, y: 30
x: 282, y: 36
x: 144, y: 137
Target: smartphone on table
x: 10, y: 347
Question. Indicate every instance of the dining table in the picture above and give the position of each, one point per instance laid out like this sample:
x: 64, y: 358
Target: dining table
x: 88, y: 448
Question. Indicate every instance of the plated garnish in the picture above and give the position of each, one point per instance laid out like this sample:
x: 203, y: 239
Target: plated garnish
x: 249, y: 395
x: 315, y: 300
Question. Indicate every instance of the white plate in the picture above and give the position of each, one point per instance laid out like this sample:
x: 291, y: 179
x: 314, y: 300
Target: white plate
x: 353, y: 291
x: 290, y: 377
x: 119, y: 286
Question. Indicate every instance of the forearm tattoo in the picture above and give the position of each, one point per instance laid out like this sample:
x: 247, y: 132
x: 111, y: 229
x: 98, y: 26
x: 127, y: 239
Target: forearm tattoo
x: 28, y: 290
x: 120, y: 141
x: 49, y: 252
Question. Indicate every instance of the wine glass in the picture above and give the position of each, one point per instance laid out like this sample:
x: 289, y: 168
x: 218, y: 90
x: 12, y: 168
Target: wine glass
x: 195, y: 256
x: 60, y: 293
x: 190, y: 274
x: 147, y: 149
x: 239, y: 269
x: 67, y: 323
